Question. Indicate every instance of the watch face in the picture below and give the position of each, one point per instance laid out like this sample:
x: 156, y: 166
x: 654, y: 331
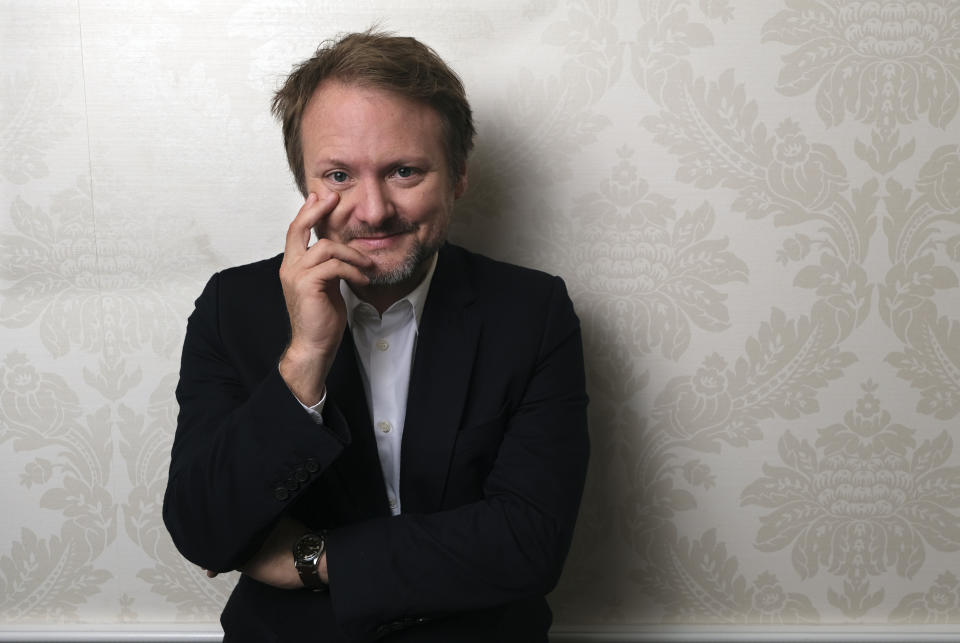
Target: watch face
x: 309, y: 546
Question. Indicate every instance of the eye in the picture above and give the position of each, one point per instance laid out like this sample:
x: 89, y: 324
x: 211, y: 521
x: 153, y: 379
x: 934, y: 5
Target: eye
x: 405, y: 172
x: 338, y: 176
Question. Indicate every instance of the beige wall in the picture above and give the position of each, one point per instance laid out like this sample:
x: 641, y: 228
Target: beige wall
x: 754, y: 205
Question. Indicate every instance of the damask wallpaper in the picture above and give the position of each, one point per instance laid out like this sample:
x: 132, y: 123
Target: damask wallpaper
x: 755, y: 206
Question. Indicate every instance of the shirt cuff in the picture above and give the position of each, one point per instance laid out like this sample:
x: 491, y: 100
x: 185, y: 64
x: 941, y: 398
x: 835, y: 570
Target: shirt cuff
x: 315, y: 410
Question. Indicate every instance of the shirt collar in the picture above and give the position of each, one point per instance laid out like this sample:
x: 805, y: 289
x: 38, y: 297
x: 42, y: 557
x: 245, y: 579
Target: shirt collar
x: 417, y: 298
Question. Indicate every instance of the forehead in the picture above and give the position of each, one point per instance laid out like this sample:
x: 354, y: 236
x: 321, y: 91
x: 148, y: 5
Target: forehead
x: 358, y: 120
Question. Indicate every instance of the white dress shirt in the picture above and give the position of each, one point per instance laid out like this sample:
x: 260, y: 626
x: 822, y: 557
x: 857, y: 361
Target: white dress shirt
x: 385, y: 346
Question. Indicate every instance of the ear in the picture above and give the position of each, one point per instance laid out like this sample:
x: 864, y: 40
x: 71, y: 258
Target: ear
x: 460, y: 187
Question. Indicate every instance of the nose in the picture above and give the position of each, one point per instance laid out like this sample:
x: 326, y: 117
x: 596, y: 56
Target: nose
x: 373, y: 205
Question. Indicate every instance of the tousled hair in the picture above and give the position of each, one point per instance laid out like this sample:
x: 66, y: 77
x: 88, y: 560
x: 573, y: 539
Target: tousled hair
x: 401, y: 65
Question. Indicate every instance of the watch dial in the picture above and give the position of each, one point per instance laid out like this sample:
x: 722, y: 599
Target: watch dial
x: 308, y: 546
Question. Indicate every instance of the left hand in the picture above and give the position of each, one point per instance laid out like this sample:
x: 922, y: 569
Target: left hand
x: 273, y: 564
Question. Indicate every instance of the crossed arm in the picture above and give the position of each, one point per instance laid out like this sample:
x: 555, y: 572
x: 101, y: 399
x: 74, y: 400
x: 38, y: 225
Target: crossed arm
x: 273, y: 563
x: 310, y: 276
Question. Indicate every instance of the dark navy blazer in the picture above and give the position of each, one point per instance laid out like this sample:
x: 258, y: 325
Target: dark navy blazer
x: 493, y: 460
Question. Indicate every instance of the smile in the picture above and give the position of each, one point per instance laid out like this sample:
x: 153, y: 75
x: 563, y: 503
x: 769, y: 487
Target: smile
x: 380, y: 242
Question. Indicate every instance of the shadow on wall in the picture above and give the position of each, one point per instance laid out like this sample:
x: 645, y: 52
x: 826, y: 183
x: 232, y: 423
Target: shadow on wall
x: 511, y: 223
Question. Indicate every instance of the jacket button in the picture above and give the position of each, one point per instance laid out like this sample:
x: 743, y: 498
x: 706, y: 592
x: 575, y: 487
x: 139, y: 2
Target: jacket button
x: 280, y: 493
x: 301, y: 474
x: 291, y: 484
x: 312, y: 465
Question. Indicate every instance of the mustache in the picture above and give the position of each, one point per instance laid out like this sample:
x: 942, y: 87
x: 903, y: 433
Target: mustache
x: 392, y: 226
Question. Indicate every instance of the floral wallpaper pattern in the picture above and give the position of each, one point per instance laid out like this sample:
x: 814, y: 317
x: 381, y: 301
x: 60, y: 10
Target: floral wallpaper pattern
x: 755, y: 206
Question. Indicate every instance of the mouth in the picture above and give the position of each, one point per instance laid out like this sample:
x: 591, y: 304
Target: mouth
x: 378, y: 241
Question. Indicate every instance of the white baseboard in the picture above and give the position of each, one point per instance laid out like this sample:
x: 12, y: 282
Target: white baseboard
x: 758, y: 634
x: 100, y: 633
x: 640, y: 634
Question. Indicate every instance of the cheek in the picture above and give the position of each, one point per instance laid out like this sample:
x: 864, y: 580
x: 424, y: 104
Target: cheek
x: 429, y: 207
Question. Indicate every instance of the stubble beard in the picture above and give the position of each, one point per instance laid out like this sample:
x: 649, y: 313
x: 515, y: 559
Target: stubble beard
x: 410, y: 266
x: 407, y: 269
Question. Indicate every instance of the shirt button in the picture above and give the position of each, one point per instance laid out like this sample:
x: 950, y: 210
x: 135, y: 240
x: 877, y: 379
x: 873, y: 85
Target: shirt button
x: 384, y: 426
x: 312, y: 465
x: 393, y: 503
x: 383, y: 344
x: 281, y: 493
x: 300, y: 473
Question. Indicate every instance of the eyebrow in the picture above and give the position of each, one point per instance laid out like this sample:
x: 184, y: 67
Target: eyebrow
x: 400, y: 161
x: 329, y: 162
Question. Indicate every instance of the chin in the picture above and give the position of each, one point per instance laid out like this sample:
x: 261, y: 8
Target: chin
x: 391, y: 275
x: 402, y: 271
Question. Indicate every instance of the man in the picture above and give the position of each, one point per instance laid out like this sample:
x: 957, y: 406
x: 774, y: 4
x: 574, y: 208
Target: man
x: 288, y: 462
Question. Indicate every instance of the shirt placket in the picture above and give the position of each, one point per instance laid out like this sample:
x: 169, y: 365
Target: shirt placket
x: 386, y: 357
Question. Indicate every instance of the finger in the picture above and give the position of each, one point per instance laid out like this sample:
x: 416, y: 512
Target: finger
x: 325, y: 250
x: 327, y: 274
x: 312, y: 211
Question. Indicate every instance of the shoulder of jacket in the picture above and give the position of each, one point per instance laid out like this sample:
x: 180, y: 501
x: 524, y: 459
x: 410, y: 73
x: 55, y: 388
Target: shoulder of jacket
x: 263, y: 269
x: 498, y: 274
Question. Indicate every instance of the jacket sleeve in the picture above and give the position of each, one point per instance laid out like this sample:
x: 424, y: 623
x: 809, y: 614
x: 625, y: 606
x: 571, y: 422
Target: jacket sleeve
x: 509, y: 545
x: 243, y: 451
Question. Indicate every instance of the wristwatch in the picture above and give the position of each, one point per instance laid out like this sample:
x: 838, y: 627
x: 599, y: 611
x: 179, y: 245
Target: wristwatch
x: 306, y: 556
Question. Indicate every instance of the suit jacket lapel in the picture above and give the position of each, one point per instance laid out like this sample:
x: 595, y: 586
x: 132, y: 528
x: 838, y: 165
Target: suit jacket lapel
x: 358, y: 467
x: 439, y: 380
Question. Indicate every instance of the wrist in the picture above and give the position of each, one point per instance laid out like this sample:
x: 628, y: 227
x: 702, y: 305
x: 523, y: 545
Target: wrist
x: 322, y: 568
x: 309, y: 557
x: 304, y: 373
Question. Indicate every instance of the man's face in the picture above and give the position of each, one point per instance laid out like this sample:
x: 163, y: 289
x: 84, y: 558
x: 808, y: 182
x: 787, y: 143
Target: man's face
x: 384, y: 155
